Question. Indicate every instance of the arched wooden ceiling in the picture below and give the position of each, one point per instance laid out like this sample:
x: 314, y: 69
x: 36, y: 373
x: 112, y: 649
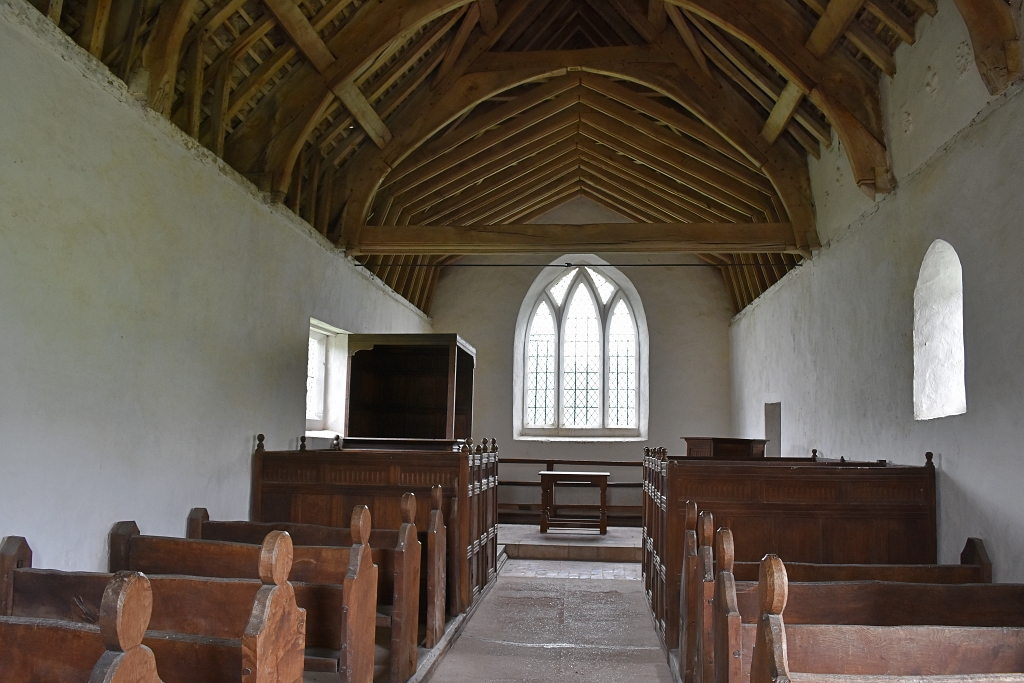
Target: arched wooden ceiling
x: 413, y: 131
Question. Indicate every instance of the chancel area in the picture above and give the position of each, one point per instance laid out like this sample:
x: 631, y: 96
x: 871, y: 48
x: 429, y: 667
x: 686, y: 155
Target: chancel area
x: 396, y: 341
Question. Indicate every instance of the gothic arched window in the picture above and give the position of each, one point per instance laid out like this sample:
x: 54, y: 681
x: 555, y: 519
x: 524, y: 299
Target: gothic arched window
x: 581, y: 355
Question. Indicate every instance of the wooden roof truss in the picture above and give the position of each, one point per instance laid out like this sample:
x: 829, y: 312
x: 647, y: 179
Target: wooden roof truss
x: 411, y: 132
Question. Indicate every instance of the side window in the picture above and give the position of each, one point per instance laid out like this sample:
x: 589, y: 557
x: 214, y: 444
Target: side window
x: 326, y: 378
x: 939, y: 386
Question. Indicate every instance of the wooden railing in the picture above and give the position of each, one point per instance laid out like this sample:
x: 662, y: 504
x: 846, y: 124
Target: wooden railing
x: 529, y: 513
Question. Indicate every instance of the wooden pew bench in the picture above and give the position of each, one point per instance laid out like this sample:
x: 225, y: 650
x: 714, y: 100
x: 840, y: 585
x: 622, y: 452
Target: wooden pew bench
x: 844, y: 653
x: 698, y: 585
x: 202, y: 630
x: 869, y: 603
x: 51, y: 651
x: 397, y: 554
x: 336, y: 586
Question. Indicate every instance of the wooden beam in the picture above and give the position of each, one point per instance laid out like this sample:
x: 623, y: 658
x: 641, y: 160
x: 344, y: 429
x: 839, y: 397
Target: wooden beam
x: 488, y: 15
x: 218, y: 108
x: 53, y: 10
x: 301, y: 32
x: 997, y: 45
x: 889, y: 15
x: 544, y: 239
x: 478, y: 124
x: 458, y: 43
x: 656, y: 15
x: 94, y: 26
x: 163, y: 50
x: 131, y: 39
x: 487, y: 141
x: 782, y: 112
x: 680, y: 22
x: 717, y: 168
x: 194, y: 81
x: 832, y: 24
x: 362, y: 111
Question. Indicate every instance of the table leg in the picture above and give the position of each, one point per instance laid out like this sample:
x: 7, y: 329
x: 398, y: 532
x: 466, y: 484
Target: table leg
x: 604, y: 507
x: 545, y: 506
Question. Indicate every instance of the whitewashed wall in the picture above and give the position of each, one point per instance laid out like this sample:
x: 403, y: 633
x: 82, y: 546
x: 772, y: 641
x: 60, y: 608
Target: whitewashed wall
x: 154, y: 310
x: 688, y: 313
x: 833, y: 340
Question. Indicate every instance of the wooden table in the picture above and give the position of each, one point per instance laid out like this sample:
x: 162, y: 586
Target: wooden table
x: 548, y: 519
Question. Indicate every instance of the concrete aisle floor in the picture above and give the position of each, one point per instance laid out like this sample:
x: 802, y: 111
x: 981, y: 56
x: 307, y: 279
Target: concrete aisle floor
x: 538, y: 629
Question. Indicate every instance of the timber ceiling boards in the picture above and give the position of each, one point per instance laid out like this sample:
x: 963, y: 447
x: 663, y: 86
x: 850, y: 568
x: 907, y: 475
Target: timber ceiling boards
x: 402, y: 129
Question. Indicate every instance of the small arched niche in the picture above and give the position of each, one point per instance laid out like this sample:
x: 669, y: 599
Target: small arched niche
x: 939, y: 387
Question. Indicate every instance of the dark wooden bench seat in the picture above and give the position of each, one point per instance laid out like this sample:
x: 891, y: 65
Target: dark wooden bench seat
x: 396, y: 552
x: 336, y: 586
x: 836, y: 653
x: 870, y: 603
x: 203, y: 630
x: 49, y: 651
x: 701, y: 566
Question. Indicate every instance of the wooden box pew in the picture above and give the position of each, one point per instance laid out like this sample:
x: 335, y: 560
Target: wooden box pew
x: 702, y: 566
x: 807, y: 510
x: 201, y: 630
x: 320, y: 486
x: 845, y: 653
x: 736, y: 606
x: 398, y: 554
x: 336, y: 586
x: 51, y: 651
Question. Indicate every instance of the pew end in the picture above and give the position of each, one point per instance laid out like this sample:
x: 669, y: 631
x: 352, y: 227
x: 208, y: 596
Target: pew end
x: 120, y: 545
x: 437, y: 574
x: 15, y: 553
x: 706, y: 529
x: 725, y: 550
x: 974, y: 553
x: 194, y: 522
x: 125, y: 610
x: 405, y: 608
x: 356, y: 662
x: 769, y: 663
x: 275, y: 637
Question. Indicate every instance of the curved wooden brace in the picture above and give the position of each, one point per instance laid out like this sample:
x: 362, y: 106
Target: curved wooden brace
x: 997, y: 46
x: 163, y: 50
x: 853, y: 101
x: 270, y: 138
x: 723, y: 110
x: 867, y: 156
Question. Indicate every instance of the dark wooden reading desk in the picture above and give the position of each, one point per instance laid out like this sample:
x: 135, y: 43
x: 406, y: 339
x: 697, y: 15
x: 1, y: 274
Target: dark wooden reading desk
x: 548, y: 519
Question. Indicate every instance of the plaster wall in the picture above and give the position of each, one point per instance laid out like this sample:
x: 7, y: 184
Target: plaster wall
x: 688, y: 313
x: 833, y: 341
x: 155, y: 309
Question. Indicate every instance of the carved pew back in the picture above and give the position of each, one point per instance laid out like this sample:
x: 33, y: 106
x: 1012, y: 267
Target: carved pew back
x: 336, y: 586
x: 396, y: 552
x: 816, y: 652
x: 49, y: 651
x: 215, y: 630
x: 734, y: 608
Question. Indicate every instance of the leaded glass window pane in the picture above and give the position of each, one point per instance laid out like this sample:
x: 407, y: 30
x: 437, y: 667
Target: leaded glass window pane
x: 560, y: 287
x: 540, y: 369
x: 621, y: 367
x: 605, y: 289
x: 581, y: 362
x: 316, y: 363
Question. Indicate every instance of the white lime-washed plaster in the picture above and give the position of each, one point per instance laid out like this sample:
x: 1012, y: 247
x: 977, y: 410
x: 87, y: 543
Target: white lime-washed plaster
x: 833, y: 341
x: 154, y: 309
